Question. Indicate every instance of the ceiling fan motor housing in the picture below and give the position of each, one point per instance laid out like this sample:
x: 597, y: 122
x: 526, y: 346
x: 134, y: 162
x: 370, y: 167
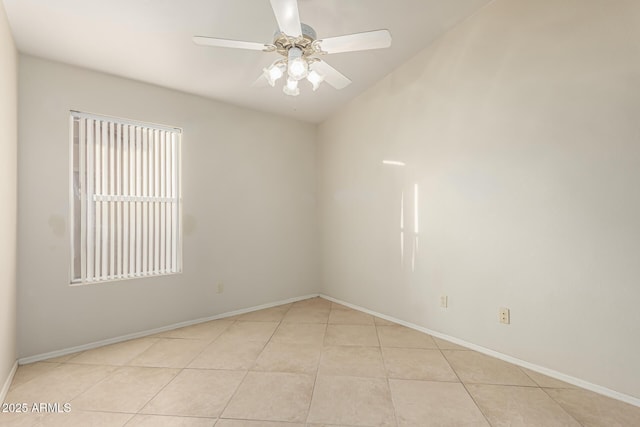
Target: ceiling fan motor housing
x: 284, y: 42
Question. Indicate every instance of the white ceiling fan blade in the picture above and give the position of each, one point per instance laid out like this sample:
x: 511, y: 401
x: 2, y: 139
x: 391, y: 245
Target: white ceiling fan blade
x: 235, y: 44
x: 378, y: 39
x: 287, y: 15
x: 332, y: 76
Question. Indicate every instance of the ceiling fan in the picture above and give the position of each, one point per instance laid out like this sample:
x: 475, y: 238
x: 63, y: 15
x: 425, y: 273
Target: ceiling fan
x: 300, y: 47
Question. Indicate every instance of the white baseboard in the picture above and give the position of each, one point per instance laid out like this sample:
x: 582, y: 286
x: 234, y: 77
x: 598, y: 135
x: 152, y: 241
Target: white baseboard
x: 541, y: 369
x: 70, y: 350
x: 7, y: 382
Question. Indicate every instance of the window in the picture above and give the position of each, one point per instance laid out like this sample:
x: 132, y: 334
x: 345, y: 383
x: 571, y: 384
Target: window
x: 126, y: 202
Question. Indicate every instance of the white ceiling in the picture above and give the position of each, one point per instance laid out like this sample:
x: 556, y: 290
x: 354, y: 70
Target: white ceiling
x: 150, y: 41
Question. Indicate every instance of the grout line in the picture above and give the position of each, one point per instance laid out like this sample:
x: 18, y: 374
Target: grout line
x: 276, y: 422
x: 387, y: 378
x: 560, y: 404
x: 246, y: 372
x: 501, y: 385
x: 181, y: 370
x: 235, y: 392
x: 466, y: 389
x: 92, y: 385
x: 108, y: 412
x: 128, y: 365
x: 315, y: 380
x: 157, y: 415
x: 476, y: 403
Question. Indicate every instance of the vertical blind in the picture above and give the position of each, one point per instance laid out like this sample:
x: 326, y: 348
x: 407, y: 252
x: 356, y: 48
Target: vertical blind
x: 126, y: 199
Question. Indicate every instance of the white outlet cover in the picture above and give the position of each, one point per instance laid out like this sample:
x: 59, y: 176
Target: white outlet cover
x: 504, y: 316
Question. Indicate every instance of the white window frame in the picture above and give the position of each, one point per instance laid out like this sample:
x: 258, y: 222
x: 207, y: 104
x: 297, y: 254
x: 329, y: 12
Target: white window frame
x: 126, y: 204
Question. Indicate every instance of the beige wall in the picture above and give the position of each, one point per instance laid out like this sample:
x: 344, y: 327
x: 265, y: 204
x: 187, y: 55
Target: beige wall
x: 8, y: 176
x: 249, y: 210
x: 521, y: 129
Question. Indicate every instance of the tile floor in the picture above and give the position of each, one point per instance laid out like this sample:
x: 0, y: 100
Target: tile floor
x: 312, y: 363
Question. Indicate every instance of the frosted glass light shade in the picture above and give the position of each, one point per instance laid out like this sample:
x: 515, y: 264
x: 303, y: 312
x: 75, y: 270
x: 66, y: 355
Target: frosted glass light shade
x: 291, y: 88
x: 315, y: 79
x: 298, y: 67
x: 273, y: 73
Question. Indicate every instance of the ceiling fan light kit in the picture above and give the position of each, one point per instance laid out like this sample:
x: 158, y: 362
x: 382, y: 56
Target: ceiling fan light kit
x: 297, y: 67
x: 315, y: 79
x: 298, y: 44
x: 291, y: 88
x: 274, y: 72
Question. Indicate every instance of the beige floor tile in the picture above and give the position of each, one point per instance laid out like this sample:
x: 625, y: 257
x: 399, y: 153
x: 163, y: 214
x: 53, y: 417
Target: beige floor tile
x: 383, y: 322
x: 126, y: 390
x: 272, y: 396
x: 115, y: 354
x: 592, y: 409
x: 287, y: 357
x: 302, y: 333
x: 327, y: 425
x: 417, y: 364
x: 60, y: 384
x: 352, y: 352
x: 545, y: 381
x: 428, y: 403
x: 228, y: 354
x: 352, y: 361
x: 350, y: 317
x: 314, y: 304
x: 250, y: 331
x: 273, y: 314
x: 28, y: 372
x: 358, y: 335
x: 75, y: 418
x: 201, y: 331
x: 400, y: 336
x: 169, y: 353
x: 351, y: 401
x: 447, y: 345
x: 84, y: 419
x: 167, y: 421
x: 305, y: 315
x: 519, y: 406
x: 13, y: 419
x: 474, y: 367
x: 248, y: 423
x: 196, y: 393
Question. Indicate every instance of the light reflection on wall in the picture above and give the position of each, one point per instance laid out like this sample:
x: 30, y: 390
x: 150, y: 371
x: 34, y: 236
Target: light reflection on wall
x: 416, y: 219
x: 416, y: 227
x: 402, y: 229
x: 393, y: 163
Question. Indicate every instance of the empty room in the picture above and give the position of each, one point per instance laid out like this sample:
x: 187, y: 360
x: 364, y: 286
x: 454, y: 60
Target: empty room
x: 289, y: 213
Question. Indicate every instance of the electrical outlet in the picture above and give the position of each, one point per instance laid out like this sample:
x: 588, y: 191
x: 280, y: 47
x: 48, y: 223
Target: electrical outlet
x: 220, y: 287
x: 444, y: 303
x: 504, y: 316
